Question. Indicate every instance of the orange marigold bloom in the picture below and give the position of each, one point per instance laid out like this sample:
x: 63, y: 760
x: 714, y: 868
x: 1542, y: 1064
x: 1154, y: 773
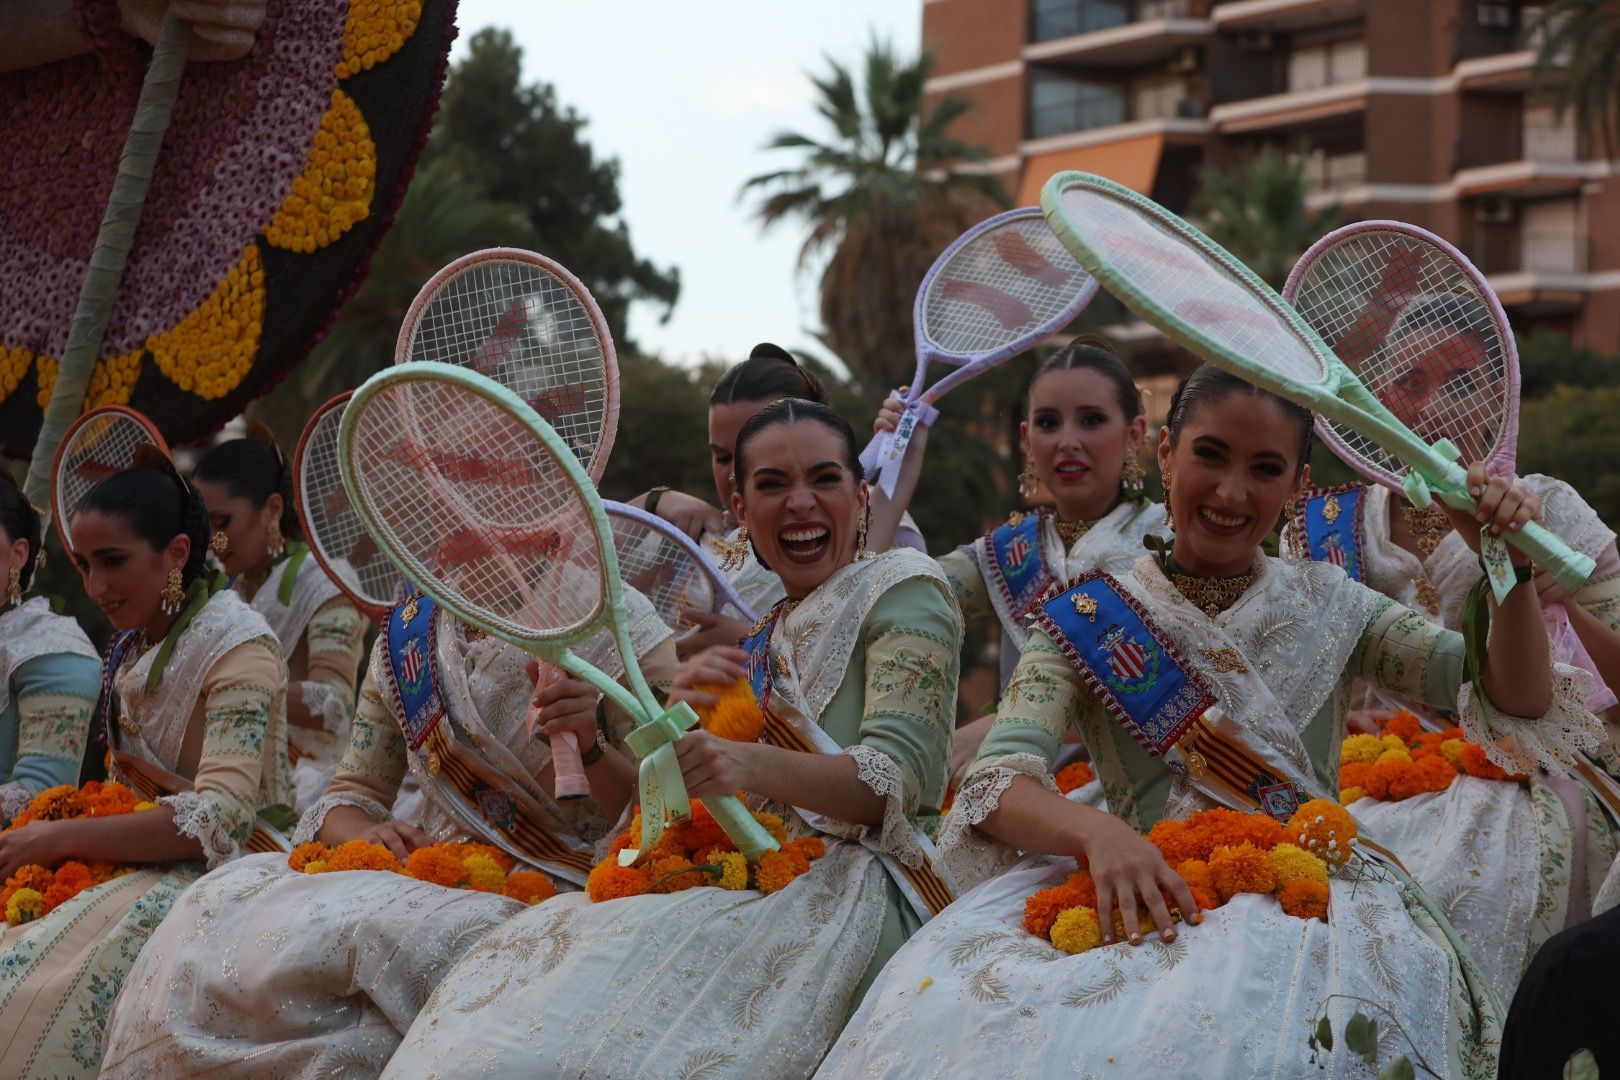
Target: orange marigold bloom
x: 1075, y: 775
x: 610, y: 881
x: 675, y: 874
x: 1476, y: 763
x: 772, y: 824
x: 1208, y: 899
x: 56, y: 804
x: 102, y: 871
x: 703, y: 832
x: 736, y: 715
x: 776, y: 870
x: 1354, y: 774
x: 1241, y: 868
x: 1176, y: 841
x: 1042, y: 909
x: 60, y: 893
x: 361, y: 855
x: 1403, y: 724
x: 1305, y: 899
x: 1325, y: 829
x: 32, y: 876
x: 75, y: 874
x: 1401, y: 778
x: 434, y: 863
x: 304, y: 854
x: 1196, y: 873
x: 529, y: 886
x: 811, y: 847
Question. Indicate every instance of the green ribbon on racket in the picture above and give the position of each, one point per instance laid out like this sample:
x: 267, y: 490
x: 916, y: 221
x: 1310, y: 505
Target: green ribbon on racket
x: 1422, y: 487
x: 661, y: 786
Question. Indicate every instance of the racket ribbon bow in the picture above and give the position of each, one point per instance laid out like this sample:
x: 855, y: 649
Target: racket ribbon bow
x: 887, y: 450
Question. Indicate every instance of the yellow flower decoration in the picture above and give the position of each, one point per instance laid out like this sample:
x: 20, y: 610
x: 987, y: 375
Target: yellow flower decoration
x: 1403, y: 755
x: 1077, y: 930
x: 47, y: 379
x: 1351, y: 794
x: 1291, y: 861
x: 1453, y: 750
x: 733, y: 869
x: 334, y: 191
x: 210, y: 351
x: 376, y: 30
x: 1362, y: 749
x: 25, y: 905
x: 484, y: 873
x: 14, y: 364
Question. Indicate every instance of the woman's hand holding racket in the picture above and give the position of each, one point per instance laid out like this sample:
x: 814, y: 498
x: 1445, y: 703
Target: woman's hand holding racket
x: 1505, y: 506
x: 691, y: 515
x: 563, y: 709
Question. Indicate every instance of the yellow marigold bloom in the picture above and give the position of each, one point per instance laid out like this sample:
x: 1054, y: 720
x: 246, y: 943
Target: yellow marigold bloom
x: 1351, y: 794
x: 25, y: 905
x: 209, y: 351
x: 334, y: 191
x: 374, y: 31
x: 736, y: 716
x: 1290, y: 862
x: 1325, y: 829
x: 1393, y: 742
x: 316, y: 866
x: 733, y: 869
x: 1077, y: 930
x: 773, y: 825
x: 484, y: 874
x: 46, y: 366
x: 1453, y: 751
x: 1361, y: 748
x: 1388, y: 757
x: 14, y: 364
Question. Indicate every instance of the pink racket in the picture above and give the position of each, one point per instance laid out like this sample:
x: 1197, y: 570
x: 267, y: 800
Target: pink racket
x: 96, y: 445
x: 336, y: 538
x: 1001, y: 288
x: 524, y: 321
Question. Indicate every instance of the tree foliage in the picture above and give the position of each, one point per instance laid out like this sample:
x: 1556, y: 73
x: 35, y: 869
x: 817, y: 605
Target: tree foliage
x: 881, y: 194
x: 1258, y: 212
x: 1578, y: 57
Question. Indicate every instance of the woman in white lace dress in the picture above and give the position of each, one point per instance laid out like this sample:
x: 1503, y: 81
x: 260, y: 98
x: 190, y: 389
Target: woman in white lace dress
x: 194, y: 692
x: 247, y: 485
x: 1276, y: 647
x: 857, y: 673
x: 264, y: 971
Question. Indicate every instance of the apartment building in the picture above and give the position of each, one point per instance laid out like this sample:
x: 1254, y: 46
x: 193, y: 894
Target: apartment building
x: 1425, y: 111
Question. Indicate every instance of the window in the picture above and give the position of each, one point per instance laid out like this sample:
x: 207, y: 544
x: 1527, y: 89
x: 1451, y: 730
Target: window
x: 1157, y: 99
x: 1052, y: 19
x: 1059, y: 104
x: 1545, y: 139
x: 1316, y: 66
x: 1550, y: 238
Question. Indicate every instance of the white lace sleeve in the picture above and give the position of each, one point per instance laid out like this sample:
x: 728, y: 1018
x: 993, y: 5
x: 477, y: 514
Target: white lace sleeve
x: 1519, y: 744
x: 896, y: 836
x: 13, y: 798
x: 310, y: 824
x: 969, y: 856
x: 196, y: 817
x: 322, y: 701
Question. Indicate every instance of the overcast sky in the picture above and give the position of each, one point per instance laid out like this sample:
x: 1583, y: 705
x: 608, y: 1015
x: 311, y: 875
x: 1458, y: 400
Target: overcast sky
x: 685, y: 95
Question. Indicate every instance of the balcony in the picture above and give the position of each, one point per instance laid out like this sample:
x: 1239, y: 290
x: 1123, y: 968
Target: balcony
x: 1534, y: 269
x: 1335, y: 178
x: 1536, y: 158
x: 1112, y: 33
x: 1323, y: 82
x: 1283, y: 16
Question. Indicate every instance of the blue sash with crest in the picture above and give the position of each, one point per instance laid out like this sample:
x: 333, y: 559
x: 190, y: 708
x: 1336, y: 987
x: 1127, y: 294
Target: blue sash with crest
x: 757, y: 646
x: 1127, y: 660
x: 1329, y: 524
x: 1015, y: 560
x: 412, y: 668
x: 108, y: 705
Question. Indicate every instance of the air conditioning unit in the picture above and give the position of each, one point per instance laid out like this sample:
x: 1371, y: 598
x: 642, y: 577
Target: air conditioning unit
x: 1190, y: 109
x: 1494, y: 14
x: 1256, y: 41
x: 1184, y: 60
x: 1494, y: 210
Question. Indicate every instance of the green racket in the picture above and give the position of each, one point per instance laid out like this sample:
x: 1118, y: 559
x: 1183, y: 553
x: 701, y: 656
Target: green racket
x: 485, y: 507
x: 1192, y: 289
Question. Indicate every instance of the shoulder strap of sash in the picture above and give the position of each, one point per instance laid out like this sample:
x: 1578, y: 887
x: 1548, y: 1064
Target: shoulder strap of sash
x: 108, y: 706
x: 1328, y: 521
x: 758, y: 645
x: 412, y: 636
x: 1017, y: 568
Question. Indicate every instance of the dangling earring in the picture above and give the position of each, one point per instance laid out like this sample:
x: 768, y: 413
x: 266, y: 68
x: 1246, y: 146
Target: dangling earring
x: 734, y: 553
x: 273, y: 539
x: 14, y: 585
x: 1132, y: 476
x: 1029, y: 481
x: 174, y: 593
x: 219, y: 544
x: 1169, y: 519
x: 860, y: 536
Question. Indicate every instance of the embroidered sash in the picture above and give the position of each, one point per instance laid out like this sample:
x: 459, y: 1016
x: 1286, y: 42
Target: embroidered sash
x: 1328, y: 522
x: 1010, y: 559
x: 926, y: 888
x: 481, y: 797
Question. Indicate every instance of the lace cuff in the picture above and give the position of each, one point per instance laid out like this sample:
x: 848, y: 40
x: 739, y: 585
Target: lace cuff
x: 969, y: 856
x: 897, y: 836
x: 322, y: 701
x: 14, y: 797
x: 310, y: 824
x: 1519, y: 744
x: 196, y: 817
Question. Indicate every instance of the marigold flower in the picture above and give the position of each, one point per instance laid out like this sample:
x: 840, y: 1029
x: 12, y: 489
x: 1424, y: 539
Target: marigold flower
x: 484, y: 874
x: 144, y: 805
x: 736, y: 716
x: 772, y: 824
x: 1348, y: 795
x: 675, y: 874
x: 1476, y: 763
x: 467, y: 848
x: 1196, y: 873
x: 1208, y: 899
x: 75, y: 874
x: 1289, y: 862
x: 777, y: 870
x: 316, y: 866
x: 1324, y: 828
x: 1305, y: 899
x: 1077, y: 930
x: 811, y: 847
x: 610, y: 881
x: 733, y: 869
x: 437, y: 865
x: 25, y: 905
x: 304, y: 854
x: 56, y: 804
x: 1402, y: 756
x: 1241, y: 868
x: 702, y: 832
x: 529, y: 886
x: 1043, y: 907
x: 361, y: 855
x: 1403, y: 725
x: 32, y: 876
x: 1176, y: 842
x: 1393, y: 742
x: 1361, y: 749
x: 1074, y: 776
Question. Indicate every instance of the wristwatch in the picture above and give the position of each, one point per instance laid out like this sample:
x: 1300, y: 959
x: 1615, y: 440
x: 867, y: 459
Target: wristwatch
x: 651, y: 503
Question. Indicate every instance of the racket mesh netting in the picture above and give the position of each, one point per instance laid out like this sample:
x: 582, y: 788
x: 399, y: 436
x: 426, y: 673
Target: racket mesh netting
x: 660, y: 569
x: 332, y: 527
x: 1416, y: 329
x: 466, y: 496
x: 1003, y: 285
x: 513, y: 322
x: 99, y: 447
x: 1149, y: 258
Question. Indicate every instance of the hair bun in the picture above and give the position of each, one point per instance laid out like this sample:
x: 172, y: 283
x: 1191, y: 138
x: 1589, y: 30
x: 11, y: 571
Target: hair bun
x: 766, y: 350
x: 148, y: 456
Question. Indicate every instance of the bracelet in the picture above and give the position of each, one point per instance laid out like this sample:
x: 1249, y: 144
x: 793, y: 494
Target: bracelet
x: 592, y: 753
x: 650, y: 504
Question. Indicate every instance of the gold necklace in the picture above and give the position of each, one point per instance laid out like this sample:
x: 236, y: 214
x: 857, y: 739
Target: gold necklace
x: 252, y: 581
x: 1211, y: 595
x: 1429, y: 526
x: 1071, y: 531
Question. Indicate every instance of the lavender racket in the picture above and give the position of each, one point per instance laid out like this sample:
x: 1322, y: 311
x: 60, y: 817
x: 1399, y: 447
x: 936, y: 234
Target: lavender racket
x: 336, y: 538
x: 1001, y: 288
x: 526, y: 322
x: 99, y: 443
x: 669, y: 569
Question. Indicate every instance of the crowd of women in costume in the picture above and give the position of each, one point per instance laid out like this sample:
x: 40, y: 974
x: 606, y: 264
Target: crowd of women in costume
x: 902, y: 950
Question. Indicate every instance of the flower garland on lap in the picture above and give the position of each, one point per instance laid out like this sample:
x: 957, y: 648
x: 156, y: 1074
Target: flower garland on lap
x: 35, y: 891
x: 461, y: 864
x: 1403, y: 761
x: 1220, y: 854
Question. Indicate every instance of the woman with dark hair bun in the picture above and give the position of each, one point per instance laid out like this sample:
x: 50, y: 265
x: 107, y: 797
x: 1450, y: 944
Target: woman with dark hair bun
x: 769, y: 374
x: 1210, y: 677
x: 49, y: 671
x: 247, y: 486
x: 194, y: 706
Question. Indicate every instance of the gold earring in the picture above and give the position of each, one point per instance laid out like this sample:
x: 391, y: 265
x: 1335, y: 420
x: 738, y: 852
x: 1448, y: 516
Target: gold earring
x: 734, y: 553
x: 1169, y: 519
x: 219, y: 544
x: 860, y: 535
x: 14, y: 585
x: 1029, y: 481
x: 273, y: 540
x: 174, y: 593
x: 1133, y: 475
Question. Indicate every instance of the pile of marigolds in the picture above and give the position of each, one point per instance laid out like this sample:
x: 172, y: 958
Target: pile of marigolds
x: 460, y: 864
x: 1403, y: 761
x: 34, y: 890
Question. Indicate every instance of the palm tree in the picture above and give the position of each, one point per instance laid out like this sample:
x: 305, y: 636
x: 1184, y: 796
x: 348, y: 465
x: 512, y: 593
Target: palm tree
x: 1258, y: 212
x: 442, y: 217
x: 1581, y: 38
x: 882, y: 194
